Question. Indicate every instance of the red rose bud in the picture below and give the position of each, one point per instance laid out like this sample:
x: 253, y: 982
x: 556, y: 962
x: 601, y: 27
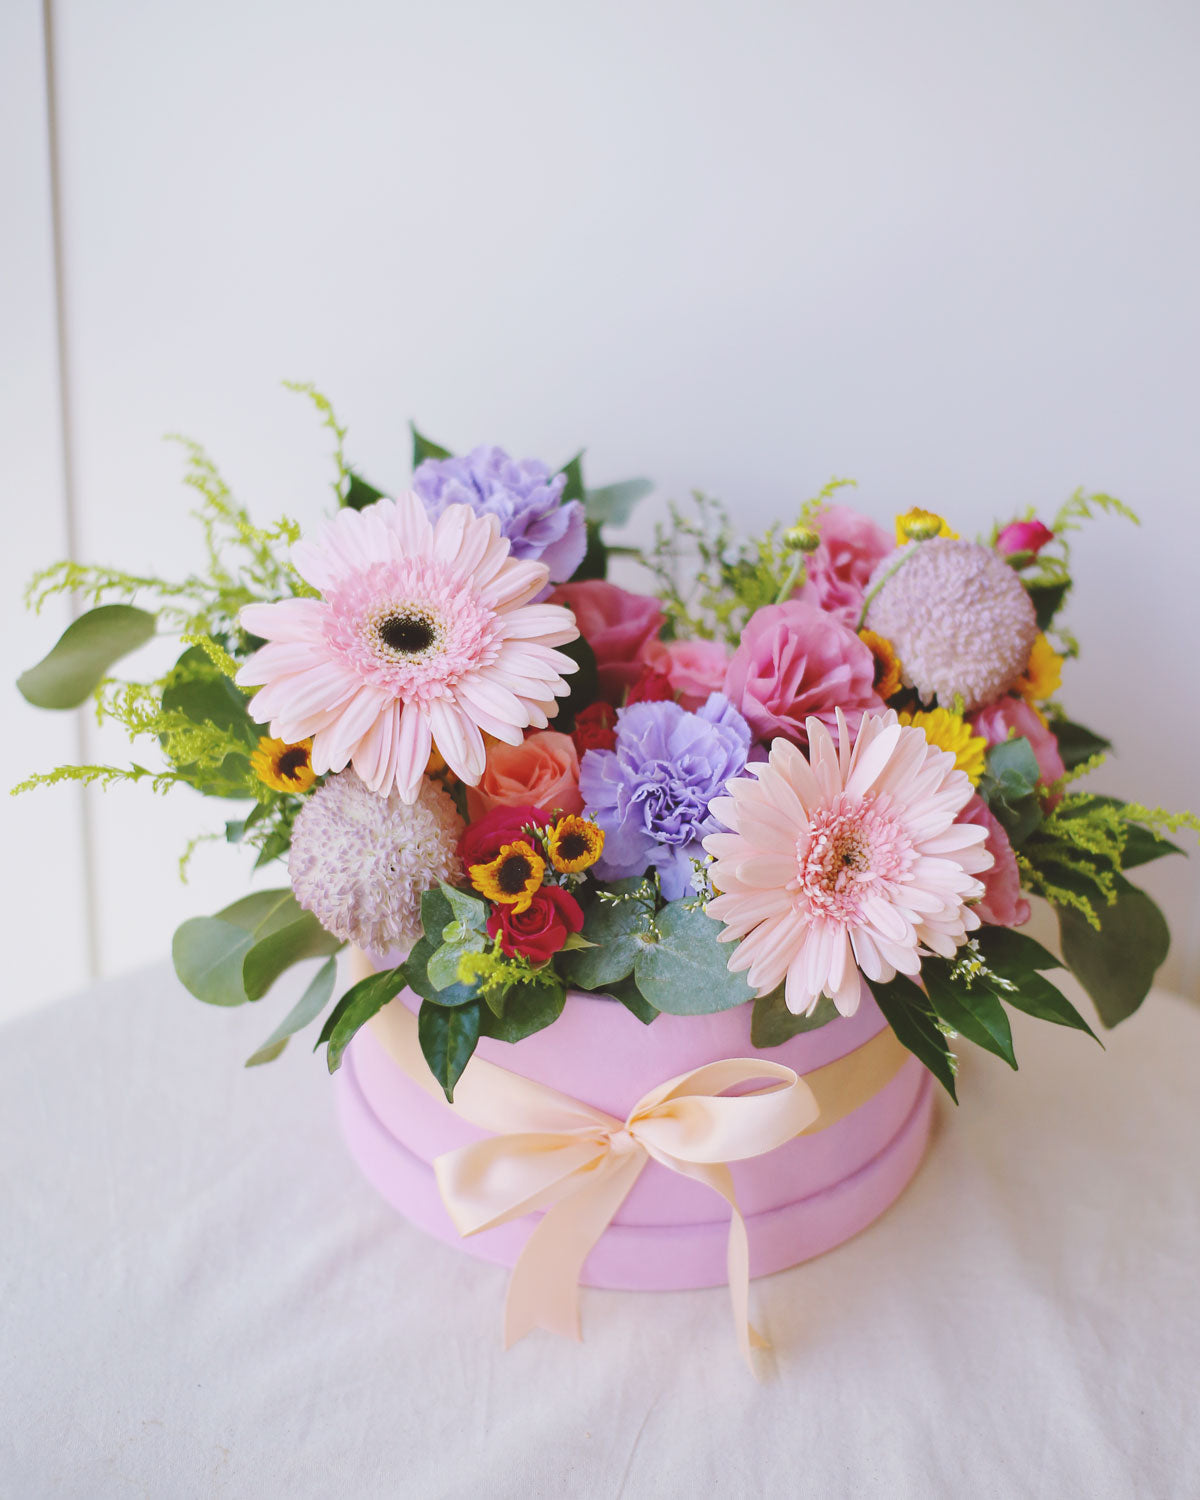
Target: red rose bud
x: 481, y: 842
x: 595, y: 728
x: 651, y: 687
x: 1023, y: 536
x: 538, y: 932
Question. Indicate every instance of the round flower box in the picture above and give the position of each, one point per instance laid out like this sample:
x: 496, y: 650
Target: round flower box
x: 799, y: 1200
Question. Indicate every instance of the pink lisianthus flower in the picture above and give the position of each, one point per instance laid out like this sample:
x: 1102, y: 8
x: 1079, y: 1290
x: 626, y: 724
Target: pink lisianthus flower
x: 1023, y: 536
x: 1002, y: 904
x: 615, y: 624
x: 1009, y: 717
x: 695, y: 669
x: 840, y: 568
x: 796, y: 662
x: 543, y: 770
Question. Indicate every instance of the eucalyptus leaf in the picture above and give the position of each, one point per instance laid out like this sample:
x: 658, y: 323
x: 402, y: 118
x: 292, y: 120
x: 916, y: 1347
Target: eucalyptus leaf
x: 685, y: 972
x: 974, y: 1011
x: 442, y: 966
x: 422, y: 448
x: 527, y: 1008
x: 613, y: 932
x: 436, y: 916
x: 356, y: 1007
x: 613, y: 504
x: 209, y: 952
x: 448, y: 1038
x: 1117, y: 964
x: 467, y: 909
x: 627, y: 992
x: 83, y: 654
x: 279, y: 950
x: 907, y: 1011
x: 311, y: 1003
x: 772, y: 1023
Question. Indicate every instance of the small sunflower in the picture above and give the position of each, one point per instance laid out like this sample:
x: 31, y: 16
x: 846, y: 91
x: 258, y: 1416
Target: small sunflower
x: 283, y: 767
x: 573, y: 844
x: 887, y: 663
x: 1042, y: 678
x: 917, y: 525
x: 951, y: 732
x: 512, y: 877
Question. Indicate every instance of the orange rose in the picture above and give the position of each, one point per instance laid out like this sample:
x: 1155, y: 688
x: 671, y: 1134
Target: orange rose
x: 542, y: 770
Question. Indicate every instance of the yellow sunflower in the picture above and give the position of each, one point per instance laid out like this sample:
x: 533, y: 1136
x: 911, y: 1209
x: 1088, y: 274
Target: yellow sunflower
x: 573, y: 843
x: 283, y: 767
x: 917, y: 525
x: 952, y: 732
x: 512, y: 877
x: 1042, y: 678
x: 887, y: 663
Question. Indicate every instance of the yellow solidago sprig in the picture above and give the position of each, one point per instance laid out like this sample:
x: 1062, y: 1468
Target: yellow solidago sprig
x: 574, y: 844
x: 512, y: 877
x: 284, y: 767
x: 917, y: 525
x: 951, y: 732
x: 1042, y: 677
x: 888, y: 679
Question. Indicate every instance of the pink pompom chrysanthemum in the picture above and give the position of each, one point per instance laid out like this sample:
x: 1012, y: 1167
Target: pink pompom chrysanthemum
x: 424, y: 634
x: 843, y: 861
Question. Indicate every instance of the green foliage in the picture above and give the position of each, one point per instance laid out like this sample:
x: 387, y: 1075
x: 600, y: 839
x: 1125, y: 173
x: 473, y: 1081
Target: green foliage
x: 1010, y: 788
x: 83, y: 654
x: 236, y: 955
x: 436, y: 915
x: 613, y: 504
x: 359, y: 494
x: 311, y: 1003
x: 528, y: 1007
x: 324, y: 408
x: 908, y: 1012
x: 1051, y: 584
x: 627, y: 992
x: 422, y: 448
x: 1116, y: 959
x: 352, y: 1012
x: 1076, y: 745
x: 683, y: 971
x: 772, y: 1023
x: 448, y: 1038
x: 583, y: 684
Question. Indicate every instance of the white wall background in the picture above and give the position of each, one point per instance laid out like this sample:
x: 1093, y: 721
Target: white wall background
x: 948, y: 249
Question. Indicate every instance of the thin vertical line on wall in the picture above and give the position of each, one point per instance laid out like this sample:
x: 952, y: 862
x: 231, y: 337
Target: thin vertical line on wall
x: 87, y: 824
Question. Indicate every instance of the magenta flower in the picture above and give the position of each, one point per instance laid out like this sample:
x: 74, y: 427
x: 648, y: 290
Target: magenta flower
x: 1002, y: 904
x: 424, y: 634
x: 1008, y: 717
x: 796, y: 662
x: 1023, y: 536
x: 840, y: 568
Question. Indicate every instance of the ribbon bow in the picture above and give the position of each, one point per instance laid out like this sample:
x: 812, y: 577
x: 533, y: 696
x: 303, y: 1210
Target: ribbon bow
x: 578, y: 1164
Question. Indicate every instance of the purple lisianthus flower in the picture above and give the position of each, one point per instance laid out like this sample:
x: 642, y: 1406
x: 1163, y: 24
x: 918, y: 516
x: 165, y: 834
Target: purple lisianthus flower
x: 651, y: 794
x: 522, y: 494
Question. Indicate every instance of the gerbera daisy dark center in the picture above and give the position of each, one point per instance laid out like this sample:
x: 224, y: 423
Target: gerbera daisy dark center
x: 291, y: 762
x: 513, y: 874
x: 407, y: 634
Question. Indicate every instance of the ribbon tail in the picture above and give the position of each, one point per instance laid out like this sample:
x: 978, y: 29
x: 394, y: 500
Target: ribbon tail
x: 543, y: 1291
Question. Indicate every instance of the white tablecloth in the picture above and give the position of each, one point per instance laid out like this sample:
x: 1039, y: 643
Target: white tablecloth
x: 200, y: 1297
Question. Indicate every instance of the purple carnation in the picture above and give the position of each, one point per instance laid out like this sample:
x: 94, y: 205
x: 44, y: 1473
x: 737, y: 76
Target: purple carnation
x: 651, y: 794
x: 524, y: 497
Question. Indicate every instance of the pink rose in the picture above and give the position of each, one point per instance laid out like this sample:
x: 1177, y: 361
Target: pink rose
x: 1009, y: 717
x: 1023, y: 536
x: 615, y: 624
x: 543, y: 770
x: 840, y: 568
x: 1002, y: 904
x: 795, y: 660
x: 694, y: 668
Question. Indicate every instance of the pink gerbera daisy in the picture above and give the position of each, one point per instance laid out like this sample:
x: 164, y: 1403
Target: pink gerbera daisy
x: 845, y: 861
x: 423, y: 634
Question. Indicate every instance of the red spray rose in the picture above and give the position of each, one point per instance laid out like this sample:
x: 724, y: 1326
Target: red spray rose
x: 651, y: 687
x: 481, y: 842
x: 595, y: 728
x: 538, y: 932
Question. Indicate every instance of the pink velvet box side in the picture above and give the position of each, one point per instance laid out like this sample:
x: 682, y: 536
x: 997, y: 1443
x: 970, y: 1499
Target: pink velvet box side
x: 799, y: 1201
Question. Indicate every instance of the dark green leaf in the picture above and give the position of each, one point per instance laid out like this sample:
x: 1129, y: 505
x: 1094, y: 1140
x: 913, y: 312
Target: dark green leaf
x: 584, y: 685
x: 1117, y: 964
x: 975, y: 1013
x: 1075, y: 743
x: 448, y: 1039
x: 202, y: 693
x: 772, y: 1023
x: 1008, y: 951
x: 83, y: 654
x: 436, y: 915
x: 1142, y: 844
x: 595, y: 559
x: 613, y: 931
x: 422, y: 448
x: 356, y: 1007
x: 360, y: 494
x: 209, y: 952
x: 907, y: 1011
x: 685, y: 972
x: 527, y: 1008
x: 1037, y: 996
x: 573, y: 489
x: 1048, y: 599
x: 271, y: 955
x: 309, y: 1006
x: 627, y: 992
x: 614, y: 503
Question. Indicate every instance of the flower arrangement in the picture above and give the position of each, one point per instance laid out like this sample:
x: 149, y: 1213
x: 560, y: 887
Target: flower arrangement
x: 799, y: 768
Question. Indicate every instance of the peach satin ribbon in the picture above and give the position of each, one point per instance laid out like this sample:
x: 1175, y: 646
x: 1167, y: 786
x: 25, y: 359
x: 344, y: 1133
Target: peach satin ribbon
x: 553, y: 1153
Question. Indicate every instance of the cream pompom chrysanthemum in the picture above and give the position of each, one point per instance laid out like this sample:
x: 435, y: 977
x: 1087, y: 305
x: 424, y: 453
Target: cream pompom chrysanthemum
x: 848, y: 860
x: 959, y: 618
x: 423, y: 635
x: 360, y: 862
